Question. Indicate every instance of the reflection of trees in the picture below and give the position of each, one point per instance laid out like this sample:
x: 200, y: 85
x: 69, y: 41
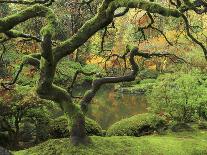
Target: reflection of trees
x: 109, y: 107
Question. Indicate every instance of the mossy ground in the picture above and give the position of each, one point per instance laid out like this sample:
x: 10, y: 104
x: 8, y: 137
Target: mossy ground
x: 182, y: 143
x: 137, y: 125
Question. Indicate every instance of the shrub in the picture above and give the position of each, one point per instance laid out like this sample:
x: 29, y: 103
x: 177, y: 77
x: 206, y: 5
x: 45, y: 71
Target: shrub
x: 141, y: 88
x: 17, y: 106
x: 146, y: 81
x: 92, y: 127
x: 138, y: 125
x: 151, y: 74
x: 60, y: 127
x: 182, y: 96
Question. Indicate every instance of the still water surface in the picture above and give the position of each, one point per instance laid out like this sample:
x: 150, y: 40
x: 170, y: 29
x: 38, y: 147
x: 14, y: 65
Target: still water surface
x: 109, y: 106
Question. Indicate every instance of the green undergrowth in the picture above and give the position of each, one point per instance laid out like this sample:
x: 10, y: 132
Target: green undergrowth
x: 60, y: 127
x: 140, y: 88
x: 183, y: 143
x: 138, y: 125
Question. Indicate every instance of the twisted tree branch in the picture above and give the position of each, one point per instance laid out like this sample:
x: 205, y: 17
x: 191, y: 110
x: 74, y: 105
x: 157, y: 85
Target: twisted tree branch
x: 99, y: 82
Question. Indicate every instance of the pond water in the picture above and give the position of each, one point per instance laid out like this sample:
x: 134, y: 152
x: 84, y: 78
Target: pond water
x: 109, y: 106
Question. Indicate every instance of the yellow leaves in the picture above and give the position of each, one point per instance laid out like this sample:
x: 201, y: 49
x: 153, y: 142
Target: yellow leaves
x: 96, y: 39
x: 152, y: 67
x: 94, y: 59
x: 172, y: 35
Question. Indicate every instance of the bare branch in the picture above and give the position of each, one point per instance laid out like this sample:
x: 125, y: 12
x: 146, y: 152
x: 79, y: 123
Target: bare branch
x: 103, y: 39
x: 187, y: 27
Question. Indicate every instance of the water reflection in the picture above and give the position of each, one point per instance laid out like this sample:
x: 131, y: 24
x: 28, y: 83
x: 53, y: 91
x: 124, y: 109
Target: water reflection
x: 109, y: 106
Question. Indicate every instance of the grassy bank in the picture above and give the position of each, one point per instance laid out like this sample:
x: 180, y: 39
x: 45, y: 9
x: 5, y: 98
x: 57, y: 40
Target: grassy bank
x: 183, y: 143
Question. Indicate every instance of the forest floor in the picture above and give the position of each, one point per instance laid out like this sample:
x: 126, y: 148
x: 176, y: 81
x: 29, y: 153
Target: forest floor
x: 179, y: 143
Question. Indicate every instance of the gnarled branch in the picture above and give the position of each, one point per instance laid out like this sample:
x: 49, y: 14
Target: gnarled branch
x: 99, y: 82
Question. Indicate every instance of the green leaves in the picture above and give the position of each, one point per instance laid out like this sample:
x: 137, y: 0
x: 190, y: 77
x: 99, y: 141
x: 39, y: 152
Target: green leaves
x: 179, y: 94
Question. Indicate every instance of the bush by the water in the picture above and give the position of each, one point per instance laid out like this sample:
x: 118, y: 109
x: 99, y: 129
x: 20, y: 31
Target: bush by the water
x: 60, y: 127
x: 138, y: 125
x: 181, y: 96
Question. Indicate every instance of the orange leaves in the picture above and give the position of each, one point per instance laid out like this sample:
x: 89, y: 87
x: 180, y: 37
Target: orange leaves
x: 27, y: 47
x: 5, y: 95
x: 140, y: 19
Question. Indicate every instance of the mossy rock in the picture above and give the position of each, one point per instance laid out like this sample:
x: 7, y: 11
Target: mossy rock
x: 138, y: 125
x: 60, y: 127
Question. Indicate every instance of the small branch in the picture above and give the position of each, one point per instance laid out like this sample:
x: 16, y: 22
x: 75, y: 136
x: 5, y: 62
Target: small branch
x: 162, y: 33
x: 103, y: 39
x: 70, y: 89
x: 16, y: 34
x: 150, y: 25
x: 123, y: 57
x: 187, y: 26
x: 161, y: 54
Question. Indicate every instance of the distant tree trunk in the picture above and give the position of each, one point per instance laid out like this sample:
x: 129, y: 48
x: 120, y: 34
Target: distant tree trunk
x: 15, y: 136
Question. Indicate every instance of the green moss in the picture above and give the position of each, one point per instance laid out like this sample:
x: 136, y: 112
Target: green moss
x: 137, y: 125
x: 9, y: 22
x: 182, y: 144
x: 51, y: 25
x: 147, y: 6
x: 146, y: 81
x: 60, y: 127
